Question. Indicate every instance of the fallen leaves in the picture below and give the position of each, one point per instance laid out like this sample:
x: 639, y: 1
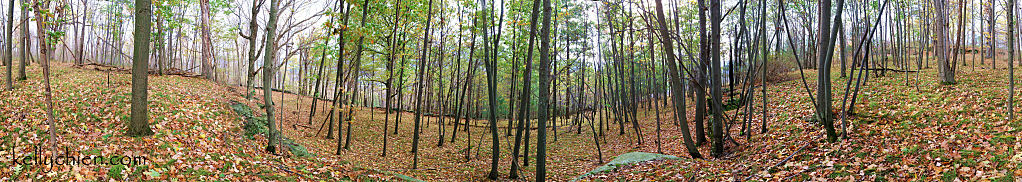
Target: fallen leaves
x: 901, y: 135
x: 188, y: 116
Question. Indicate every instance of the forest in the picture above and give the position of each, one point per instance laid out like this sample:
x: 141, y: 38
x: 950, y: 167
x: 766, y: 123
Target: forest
x: 509, y: 90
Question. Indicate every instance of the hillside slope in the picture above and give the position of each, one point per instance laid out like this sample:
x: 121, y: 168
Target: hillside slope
x: 197, y: 136
x: 898, y: 132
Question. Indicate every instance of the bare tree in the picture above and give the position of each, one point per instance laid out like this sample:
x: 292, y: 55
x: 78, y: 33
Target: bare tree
x: 419, y: 83
x: 268, y: 72
x: 253, y: 54
x: 526, y: 90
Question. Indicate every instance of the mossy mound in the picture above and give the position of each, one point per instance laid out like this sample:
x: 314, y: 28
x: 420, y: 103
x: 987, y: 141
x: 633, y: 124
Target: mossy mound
x: 624, y: 159
x: 257, y: 126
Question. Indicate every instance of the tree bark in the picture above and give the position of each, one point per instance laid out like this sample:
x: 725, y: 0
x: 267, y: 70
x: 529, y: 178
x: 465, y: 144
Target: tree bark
x: 418, y: 96
x: 944, y: 70
x: 700, y: 77
x: 524, y: 99
x: 41, y: 22
x: 677, y: 93
x: 717, y: 133
x: 8, y: 47
x: 544, y: 93
x: 207, y: 43
x: 1011, y: 60
x: 268, y: 72
x: 253, y: 55
x: 140, y: 71
x: 26, y: 43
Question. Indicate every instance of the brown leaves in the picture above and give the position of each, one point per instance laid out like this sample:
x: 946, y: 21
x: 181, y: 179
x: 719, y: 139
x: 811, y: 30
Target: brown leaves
x: 192, y: 124
x: 900, y: 135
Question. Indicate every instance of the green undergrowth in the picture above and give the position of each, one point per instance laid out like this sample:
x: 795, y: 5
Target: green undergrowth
x: 626, y: 159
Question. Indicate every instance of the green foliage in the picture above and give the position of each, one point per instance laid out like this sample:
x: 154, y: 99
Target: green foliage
x: 949, y: 175
x: 399, y: 176
x: 253, y: 125
x: 627, y: 158
x: 296, y: 149
x: 115, y: 172
x: 221, y: 6
x: 257, y: 125
x: 242, y: 109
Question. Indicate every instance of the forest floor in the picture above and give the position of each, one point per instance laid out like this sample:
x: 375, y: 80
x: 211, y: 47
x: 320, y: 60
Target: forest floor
x: 899, y: 132
x: 569, y: 155
x: 197, y: 136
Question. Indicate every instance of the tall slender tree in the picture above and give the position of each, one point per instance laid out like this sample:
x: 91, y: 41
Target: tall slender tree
x: 524, y: 99
x: 419, y: 83
x: 544, y: 93
x: 207, y: 42
x: 823, y: 99
x: 1011, y: 60
x: 676, y: 95
x: 700, y: 77
x: 717, y: 133
x: 389, y: 95
x: 491, y: 79
x: 7, y: 45
x: 80, y: 43
x: 42, y: 14
x: 268, y: 72
x: 991, y: 25
x: 358, y: 59
x: 944, y: 67
x: 253, y: 53
x: 140, y: 71
x: 26, y: 42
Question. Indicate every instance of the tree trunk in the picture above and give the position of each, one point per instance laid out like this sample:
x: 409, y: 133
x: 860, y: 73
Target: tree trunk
x: 8, y: 47
x: 991, y: 24
x: 544, y: 93
x: 79, y: 49
x: 700, y: 77
x: 390, y: 75
x: 526, y: 90
x: 207, y: 43
x: 944, y: 70
x: 253, y: 55
x: 268, y: 72
x: 677, y: 93
x: 358, y: 62
x: 161, y: 58
x: 717, y: 134
x: 26, y: 43
x: 139, y: 71
x: 491, y: 79
x: 41, y: 22
x: 1011, y: 60
x: 418, y: 96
